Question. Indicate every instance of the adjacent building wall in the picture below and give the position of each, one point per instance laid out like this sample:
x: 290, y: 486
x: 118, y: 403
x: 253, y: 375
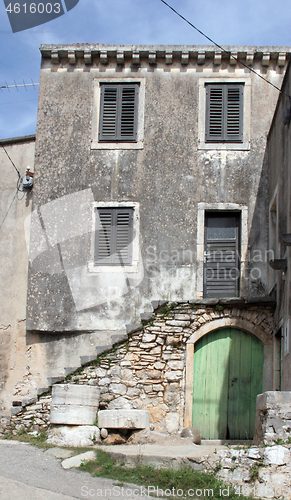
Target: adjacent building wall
x: 279, y: 152
x: 15, y: 208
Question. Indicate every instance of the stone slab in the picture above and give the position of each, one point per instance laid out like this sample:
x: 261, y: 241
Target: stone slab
x: 276, y: 455
x: 123, y: 419
x: 72, y: 414
x: 273, y: 416
x: 269, y: 399
x: 77, y: 460
x: 73, y: 394
x: 84, y: 435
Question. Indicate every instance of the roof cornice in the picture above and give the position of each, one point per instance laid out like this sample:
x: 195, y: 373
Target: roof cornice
x: 167, y: 54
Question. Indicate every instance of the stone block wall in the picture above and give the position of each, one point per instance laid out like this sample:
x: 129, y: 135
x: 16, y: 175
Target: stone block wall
x: 148, y: 370
x: 273, y: 417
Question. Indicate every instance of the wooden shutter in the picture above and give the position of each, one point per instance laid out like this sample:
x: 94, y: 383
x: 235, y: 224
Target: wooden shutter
x: 123, y: 235
x: 214, y: 96
x: 113, y: 236
x: 224, y: 113
x: 118, y: 113
x: 104, y: 236
x: 234, y: 111
x: 221, y: 257
x: 128, y: 112
x: 108, y: 113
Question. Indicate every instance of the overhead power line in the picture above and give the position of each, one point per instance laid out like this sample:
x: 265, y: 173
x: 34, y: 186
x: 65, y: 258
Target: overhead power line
x: 16, y: 102
x: 225, y: 51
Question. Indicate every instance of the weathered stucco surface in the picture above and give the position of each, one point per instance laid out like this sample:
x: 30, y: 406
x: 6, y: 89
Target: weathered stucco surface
x: 279, y: 154
x: 168, y: 177
x: 14, y: 212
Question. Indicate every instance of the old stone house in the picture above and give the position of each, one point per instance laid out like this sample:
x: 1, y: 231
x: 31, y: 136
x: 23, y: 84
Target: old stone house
x: 149, y: 232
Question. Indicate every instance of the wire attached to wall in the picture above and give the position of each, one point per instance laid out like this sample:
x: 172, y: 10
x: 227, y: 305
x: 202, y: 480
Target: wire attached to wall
x: 18, y: 173
x: 19, y: 180
x: 225, y: 51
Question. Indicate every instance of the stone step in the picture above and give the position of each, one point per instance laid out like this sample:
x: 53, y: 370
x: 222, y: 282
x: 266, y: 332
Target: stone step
x: 42, y: 390
x: 55, y: 380
x: 71, y: 369
x: 109, y: 338
x: 147, y: 316
x: 103, y: 348
x: 133, y: 327
x: 118, y: 338
x: 86, y: 359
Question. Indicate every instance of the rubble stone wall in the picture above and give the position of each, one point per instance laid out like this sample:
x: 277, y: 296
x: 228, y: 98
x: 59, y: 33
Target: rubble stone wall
x: 148, y: 370
x: 273, y: 417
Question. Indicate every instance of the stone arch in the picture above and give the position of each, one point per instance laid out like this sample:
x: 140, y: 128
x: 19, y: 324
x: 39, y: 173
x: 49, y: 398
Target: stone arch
x: 242, y: 323
x: 237, y: 322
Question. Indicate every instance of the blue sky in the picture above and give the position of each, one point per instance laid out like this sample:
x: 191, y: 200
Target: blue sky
x: 228, y: 22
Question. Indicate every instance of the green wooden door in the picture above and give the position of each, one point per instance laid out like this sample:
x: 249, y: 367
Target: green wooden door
x: 228, y: 375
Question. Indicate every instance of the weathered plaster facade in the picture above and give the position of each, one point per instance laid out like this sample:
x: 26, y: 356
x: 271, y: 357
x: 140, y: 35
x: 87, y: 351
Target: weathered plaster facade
x: 279, y: 153
x: 14, y: 219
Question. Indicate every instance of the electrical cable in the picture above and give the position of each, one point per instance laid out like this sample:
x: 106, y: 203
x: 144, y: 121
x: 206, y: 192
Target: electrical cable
x: 19, y: 176
x: 11, y: 203
x: 225, y: 51
x: 15, y: 102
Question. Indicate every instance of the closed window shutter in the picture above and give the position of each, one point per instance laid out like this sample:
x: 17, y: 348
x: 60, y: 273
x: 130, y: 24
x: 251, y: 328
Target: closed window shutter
x: 104, y: 236
x: 118, y: 113
x: 221, y: 267
x: 128, y: 112
x: 123, y: 232
x: 233, y: 99
x: 215, y: 113
x: 108, y: 113
x: 113, y: 236
x: 224, y: 113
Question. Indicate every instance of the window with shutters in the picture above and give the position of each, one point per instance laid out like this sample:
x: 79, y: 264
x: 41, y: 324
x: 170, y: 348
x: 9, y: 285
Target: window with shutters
x: 118, y: 112
x: 113, y: 236
x: 222, y: 254
x: 224, y: 112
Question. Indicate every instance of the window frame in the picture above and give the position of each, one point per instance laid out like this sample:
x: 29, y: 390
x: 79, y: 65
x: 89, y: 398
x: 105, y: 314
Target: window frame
x: 117, y: 145
x: 114, y: 258
x: 222, y: 246
x: 203, y: 208
x: 134, y: 266
x: 107, y: 102
x: 218, y: 109
x: 246, y: 117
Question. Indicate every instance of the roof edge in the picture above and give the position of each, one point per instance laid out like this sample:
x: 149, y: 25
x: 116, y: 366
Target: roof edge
x: 13, y: 140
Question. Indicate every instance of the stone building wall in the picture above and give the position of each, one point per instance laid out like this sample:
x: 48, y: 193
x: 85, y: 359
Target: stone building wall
x: 16, y: 155
x: 279, y: 154
x: 150, y: 369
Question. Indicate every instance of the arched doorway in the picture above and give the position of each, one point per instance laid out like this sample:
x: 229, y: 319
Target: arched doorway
x: 228, y: 375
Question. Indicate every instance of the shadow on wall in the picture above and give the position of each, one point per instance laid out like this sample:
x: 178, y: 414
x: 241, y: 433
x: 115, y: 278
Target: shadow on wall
x: 258, y: 244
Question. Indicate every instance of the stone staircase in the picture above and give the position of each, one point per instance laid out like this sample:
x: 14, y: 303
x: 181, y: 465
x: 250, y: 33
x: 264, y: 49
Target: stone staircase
x: 95, y: 344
